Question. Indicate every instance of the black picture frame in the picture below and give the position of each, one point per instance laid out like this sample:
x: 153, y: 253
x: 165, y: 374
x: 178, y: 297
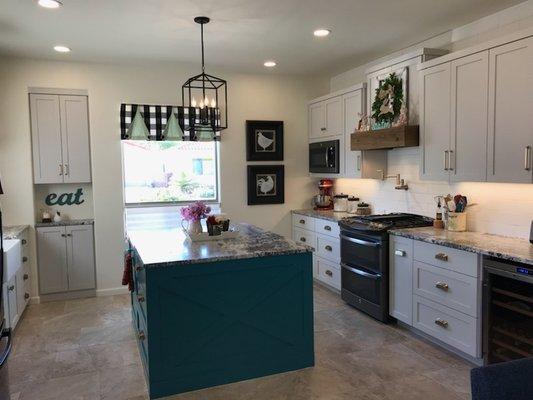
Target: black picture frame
x: 271, y: 190
x: 264, y: 140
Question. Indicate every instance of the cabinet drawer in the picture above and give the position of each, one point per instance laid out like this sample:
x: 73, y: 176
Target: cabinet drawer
x: 449, y: 288
x: 303, y: 221
x: 451, y: 327
x: 141, y: 335
x: 328, y: 272
x: 460, y: 261
x: 303, y: 236
x: 329, y: 228
x: 401, y: 279
x: 328, y: 248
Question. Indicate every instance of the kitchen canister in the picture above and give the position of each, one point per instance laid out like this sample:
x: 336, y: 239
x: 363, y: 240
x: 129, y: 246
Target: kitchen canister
x: 456, y: 222
x: 340, y: 202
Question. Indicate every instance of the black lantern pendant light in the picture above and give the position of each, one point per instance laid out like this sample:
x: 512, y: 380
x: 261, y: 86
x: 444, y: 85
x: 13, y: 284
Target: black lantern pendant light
x: 204, y: 99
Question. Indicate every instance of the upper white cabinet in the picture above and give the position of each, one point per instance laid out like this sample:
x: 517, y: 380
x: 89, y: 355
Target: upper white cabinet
x: 476, y: 122
x: 353, y: 106
x: 510, y: 122
x: 317, y: 120
x: 334, y: 121
x: 60, y: 138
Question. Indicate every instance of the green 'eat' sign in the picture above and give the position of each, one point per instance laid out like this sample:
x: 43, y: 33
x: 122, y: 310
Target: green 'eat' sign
x: 70, y: 199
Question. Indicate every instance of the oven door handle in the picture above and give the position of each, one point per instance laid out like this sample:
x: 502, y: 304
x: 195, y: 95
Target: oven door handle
x: 3, y: 357
x: 360, y: 272
x: 361, y: 242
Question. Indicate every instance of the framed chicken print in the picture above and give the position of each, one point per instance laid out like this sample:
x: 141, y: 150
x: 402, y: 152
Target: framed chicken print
x: 264, y: 140
x: 266, y: 184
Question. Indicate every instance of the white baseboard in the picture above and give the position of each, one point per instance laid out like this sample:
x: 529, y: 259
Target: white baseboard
x: 35, y: 300
x: 112, y: 291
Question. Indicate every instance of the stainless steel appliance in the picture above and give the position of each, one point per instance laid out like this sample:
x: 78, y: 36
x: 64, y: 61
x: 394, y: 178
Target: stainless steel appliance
x: 507, y: 310
x: 365, y: 259
x: 324, y: 157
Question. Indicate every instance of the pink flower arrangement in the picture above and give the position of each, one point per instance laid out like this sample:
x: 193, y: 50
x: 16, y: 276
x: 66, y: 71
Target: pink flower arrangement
x: 195, y: 212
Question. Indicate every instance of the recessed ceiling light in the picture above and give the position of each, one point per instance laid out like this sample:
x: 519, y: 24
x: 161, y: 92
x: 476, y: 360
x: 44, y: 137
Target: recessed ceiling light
x: 321, y: 32
x: 269, y: 64
x: 50, y: 3
x: 62, y: 49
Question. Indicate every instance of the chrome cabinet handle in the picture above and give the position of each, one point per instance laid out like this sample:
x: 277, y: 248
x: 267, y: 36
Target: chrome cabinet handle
x: 445, y: 160
x: 441, y: 256
x: 322, y: 129
x: 527, y: 158
x: 26, y: 277
x: 67, y: 170
x: 400, y: 253
x: 441, y: 322
x: 302, y: 239
x: 24, y: 259
x: 327, y: 228
x: 442, y: 286
x: 26, y: 296
x: 63, y: 235
x: 359, y: 163
x: 329, y: 273
x: 450, y: 165
x: 142, y: 336
x: 140, y: 299
x: 302, y: 221
x: 60, y: 169
x: 328, y: 248
x: 11, y: 288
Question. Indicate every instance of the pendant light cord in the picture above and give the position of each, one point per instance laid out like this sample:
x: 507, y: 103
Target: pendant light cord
x: 202, y: 30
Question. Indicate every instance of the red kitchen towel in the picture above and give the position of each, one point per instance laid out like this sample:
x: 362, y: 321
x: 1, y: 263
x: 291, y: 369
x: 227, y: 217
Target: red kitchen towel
x: 127, y: 276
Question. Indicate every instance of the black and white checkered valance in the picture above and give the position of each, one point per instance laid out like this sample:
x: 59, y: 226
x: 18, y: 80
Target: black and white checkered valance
x: 155, y: 118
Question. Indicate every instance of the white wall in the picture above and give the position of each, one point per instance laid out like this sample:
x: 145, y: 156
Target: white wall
x: 250, y: 97
x: 505, y: 209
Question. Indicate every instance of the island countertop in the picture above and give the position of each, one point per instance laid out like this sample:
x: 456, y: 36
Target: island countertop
x: 158, y: 248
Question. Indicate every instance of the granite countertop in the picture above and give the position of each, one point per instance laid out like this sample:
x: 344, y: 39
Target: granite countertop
x: 328, y: 215
x: 12, y: 231
x: 171, y: 247
x: 513, y: 249
x: 66, y: 222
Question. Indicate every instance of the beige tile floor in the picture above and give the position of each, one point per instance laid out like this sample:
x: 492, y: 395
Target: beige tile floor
x: 85, y: 350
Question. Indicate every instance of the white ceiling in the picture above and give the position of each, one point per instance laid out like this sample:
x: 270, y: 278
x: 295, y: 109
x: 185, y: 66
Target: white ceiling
x: 242, y: 34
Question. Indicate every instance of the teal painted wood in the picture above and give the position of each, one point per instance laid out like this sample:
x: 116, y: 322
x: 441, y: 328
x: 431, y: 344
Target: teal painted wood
x: 215, y: 323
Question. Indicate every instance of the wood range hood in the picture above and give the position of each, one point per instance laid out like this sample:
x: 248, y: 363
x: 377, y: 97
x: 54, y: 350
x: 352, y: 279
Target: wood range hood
x: 388, y: 138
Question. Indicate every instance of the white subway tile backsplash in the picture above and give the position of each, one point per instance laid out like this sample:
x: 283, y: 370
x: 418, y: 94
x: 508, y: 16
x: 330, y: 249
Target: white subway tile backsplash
x: 498, y: 208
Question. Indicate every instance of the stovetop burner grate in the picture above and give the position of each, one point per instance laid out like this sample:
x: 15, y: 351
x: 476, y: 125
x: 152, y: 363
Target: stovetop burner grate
x: 383, y: 222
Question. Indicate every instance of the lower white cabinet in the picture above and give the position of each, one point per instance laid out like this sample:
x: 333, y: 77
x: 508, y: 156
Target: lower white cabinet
x: 437, y: 290
x: 11, y: 296
x: 66, y: 258
x: 323, y: 236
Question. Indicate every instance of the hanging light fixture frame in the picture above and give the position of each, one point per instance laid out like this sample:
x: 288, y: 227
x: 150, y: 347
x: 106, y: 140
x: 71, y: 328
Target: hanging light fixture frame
x: 195, y: 115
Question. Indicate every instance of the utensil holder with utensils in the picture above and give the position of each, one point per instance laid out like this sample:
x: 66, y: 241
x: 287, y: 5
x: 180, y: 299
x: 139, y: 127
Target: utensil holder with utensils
x: 456, y: 221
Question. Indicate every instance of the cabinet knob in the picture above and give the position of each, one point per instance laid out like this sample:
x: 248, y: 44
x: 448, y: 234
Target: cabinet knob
x: 302, y: 221
x: 60, y: 169
x: 441, y: 322
x: 24, y: 259
x: 399, y: 253
x: 329, y: 273
x: 24, y: 241
x: 63, y: 235
x: 302, y: 239
x: 142, y: 336
x: 138, y: 268
x: 328, y: 248
x: 327, y: 228
x: 441, y: 256
x: 442, y: 286
x: 11, y: 288
x: 140, y: 299
x: 26, y: 296
x: 26, y: 277
x: 322, y: 129
x: 66, y: 169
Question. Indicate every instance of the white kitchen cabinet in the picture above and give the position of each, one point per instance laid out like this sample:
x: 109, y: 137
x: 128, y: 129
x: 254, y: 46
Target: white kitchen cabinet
x: 11, y: 296
x: 435, y: 105
x: 317, y: 120
x: 66, y: 258
x: 401, y: 279
x: 469, y: 103
x: 333, y: 117
x: 60, y: 138
x: 22, y: 294
x: 510, y: 137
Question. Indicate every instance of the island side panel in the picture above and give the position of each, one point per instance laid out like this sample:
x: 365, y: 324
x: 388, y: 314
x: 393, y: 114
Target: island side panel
x: 221, y: 322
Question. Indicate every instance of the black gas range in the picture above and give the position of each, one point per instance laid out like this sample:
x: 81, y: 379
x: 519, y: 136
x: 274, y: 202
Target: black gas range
x: 365, y: 259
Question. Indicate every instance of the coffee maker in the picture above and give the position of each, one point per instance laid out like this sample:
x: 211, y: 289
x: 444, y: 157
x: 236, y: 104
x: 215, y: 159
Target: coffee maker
x: 324, y: 200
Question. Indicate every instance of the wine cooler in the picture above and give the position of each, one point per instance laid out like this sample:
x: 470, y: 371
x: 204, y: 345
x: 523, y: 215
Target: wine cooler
x: 507, y: 310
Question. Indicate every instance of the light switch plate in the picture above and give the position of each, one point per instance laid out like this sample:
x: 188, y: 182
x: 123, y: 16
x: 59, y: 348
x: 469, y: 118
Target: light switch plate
x: 531, y: 233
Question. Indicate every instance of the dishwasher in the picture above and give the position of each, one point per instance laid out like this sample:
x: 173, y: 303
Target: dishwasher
x: 507, y: 310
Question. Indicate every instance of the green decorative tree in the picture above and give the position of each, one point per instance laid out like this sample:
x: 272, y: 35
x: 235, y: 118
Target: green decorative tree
x: 388, y: 100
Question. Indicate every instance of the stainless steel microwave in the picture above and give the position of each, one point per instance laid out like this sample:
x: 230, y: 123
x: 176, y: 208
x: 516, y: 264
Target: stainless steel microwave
x: 324, y: 157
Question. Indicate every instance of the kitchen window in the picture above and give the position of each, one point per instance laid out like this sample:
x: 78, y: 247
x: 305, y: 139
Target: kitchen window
x: 165, y: 172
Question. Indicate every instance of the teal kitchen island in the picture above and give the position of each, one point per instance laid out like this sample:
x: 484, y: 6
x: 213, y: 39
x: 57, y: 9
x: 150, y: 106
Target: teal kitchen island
x: 211, y: 313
